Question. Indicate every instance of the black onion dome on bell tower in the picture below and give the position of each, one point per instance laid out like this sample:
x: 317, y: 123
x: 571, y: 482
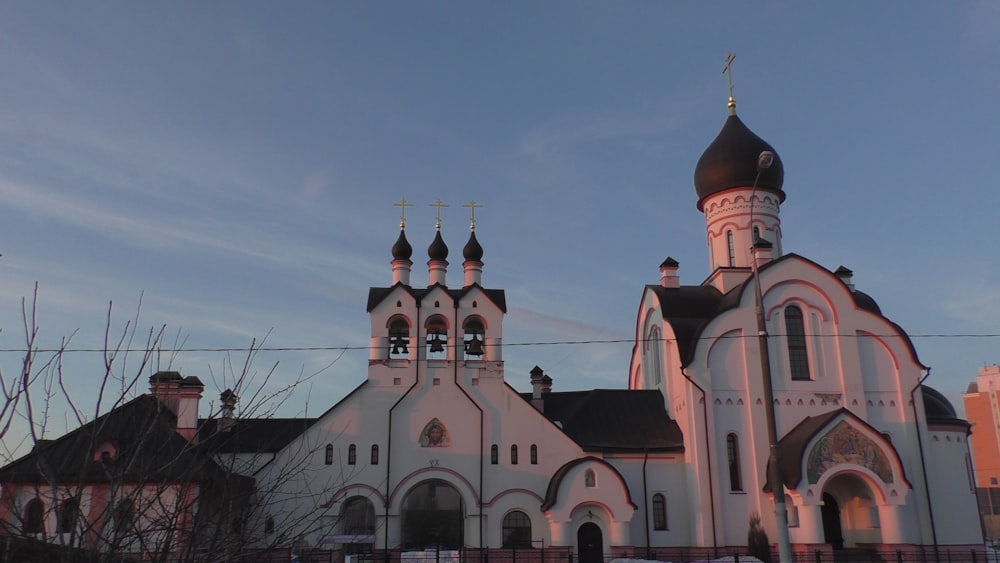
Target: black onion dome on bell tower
x: 731, y: 162
x: 438, y: 250
x: 473, y: 250
x: 402, y: 249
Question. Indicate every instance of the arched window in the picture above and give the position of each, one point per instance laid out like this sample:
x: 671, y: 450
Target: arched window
x: 399, y: 338
x: 756, y: 234
x: 733, y: 457
x: 374, y: 454
x: 659, y: 512
x: 34, y: 517
x: 124, y: 517
x: 352, y: 454
x: 793, y: 512
x: 495, y: 454
x: 589, y: 479
x: 731, y: 248
x: 798, y: 355
x: 437, y: 338
x: 474, y: 338
x: 69, y: 512
x: 534, y: 454
x: 358, y: 517
x: 329, y: 454
x: 655, y: 358
x: 513, y: 455
x: 516, y: 530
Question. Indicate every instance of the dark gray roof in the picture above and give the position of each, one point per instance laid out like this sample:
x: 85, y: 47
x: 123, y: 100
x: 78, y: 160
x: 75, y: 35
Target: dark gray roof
x: 940, y: 411
x: 255, y: 435
x: 377, y: 294
x: 614, y: 420
x: 689, y: 308
x: 148, y: 449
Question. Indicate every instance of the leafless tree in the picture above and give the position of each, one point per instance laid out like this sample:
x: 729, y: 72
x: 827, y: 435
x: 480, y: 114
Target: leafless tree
x: 134, y: 479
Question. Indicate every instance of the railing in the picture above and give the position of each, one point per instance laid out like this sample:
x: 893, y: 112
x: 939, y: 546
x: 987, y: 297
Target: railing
x: 817, y: 554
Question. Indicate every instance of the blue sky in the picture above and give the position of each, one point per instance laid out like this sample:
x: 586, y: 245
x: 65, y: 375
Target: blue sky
x: 232, y: 165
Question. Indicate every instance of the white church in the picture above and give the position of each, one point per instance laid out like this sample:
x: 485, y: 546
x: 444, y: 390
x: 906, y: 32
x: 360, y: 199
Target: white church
x: 437, y: 449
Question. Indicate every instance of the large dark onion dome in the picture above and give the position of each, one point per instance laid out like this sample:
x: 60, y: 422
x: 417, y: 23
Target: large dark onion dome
x: 438, y: 250
x: 731, y: 162
x: 402, y: 249
x: 473, y: 250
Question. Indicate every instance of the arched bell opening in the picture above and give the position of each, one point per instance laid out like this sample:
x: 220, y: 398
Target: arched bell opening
x: 474, y: 338
x: 399, y: 338
x: 437, y: 338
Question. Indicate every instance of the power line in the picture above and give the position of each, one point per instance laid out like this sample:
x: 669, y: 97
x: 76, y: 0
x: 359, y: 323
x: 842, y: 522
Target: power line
x: 503, y: 345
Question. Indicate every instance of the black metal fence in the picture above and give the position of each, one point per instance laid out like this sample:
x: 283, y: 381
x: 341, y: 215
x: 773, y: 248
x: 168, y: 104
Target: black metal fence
x: 818, y: 554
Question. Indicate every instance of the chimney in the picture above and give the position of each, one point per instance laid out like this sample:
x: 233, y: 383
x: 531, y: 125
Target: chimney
x: 668, y: 273
x: 763, y: 251
x: 845, y: 276
x: 546, y: 384
x: 181, y: 396
x: 537, y: 375
x: 228, y: 399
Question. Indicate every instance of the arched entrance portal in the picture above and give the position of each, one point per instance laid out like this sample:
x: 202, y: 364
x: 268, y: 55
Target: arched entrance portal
x: 590, y: 543
x: 433, y: 516
x: 850, y: 513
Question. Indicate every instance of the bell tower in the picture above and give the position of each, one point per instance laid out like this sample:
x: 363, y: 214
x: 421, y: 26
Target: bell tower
x: 435, y: 327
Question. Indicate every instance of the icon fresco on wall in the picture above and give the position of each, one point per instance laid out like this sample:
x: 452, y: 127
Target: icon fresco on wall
x: 845, y: 444
x: 434, y: 435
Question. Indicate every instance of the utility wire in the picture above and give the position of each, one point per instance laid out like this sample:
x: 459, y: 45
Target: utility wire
x: 503, y: 345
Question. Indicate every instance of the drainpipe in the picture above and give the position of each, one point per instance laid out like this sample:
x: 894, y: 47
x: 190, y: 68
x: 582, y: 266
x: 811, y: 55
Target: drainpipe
x: 923, y: 463
x: 388, y: 447
x: 645, y: 495
x: 708, y: 453
x: 481, y: 430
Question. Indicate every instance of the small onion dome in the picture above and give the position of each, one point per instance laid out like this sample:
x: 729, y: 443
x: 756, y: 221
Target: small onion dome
x: 731, y: 162
x: 438, y: 250
x: 473, y: 250
x: 402, y: 249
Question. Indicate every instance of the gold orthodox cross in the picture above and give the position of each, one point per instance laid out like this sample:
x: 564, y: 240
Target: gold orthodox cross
x: 439, y: 204
x: 727, y: 69
x: 402, y: 205
x: 473, y: 206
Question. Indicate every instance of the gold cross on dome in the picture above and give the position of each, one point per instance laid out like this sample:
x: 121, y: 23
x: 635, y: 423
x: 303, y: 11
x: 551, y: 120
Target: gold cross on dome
x: 402, y: 205
x: 727, y: 69
x: 439, y: 204
x: 473, y: 206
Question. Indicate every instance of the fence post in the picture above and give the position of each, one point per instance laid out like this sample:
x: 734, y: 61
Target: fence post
x: 899, y: 556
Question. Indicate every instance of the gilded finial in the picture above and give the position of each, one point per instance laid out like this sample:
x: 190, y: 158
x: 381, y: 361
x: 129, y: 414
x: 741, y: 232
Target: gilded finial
x: 402, y: 205
x: 473, y: 206
x: 439, y: 204
x: 727, y: 69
